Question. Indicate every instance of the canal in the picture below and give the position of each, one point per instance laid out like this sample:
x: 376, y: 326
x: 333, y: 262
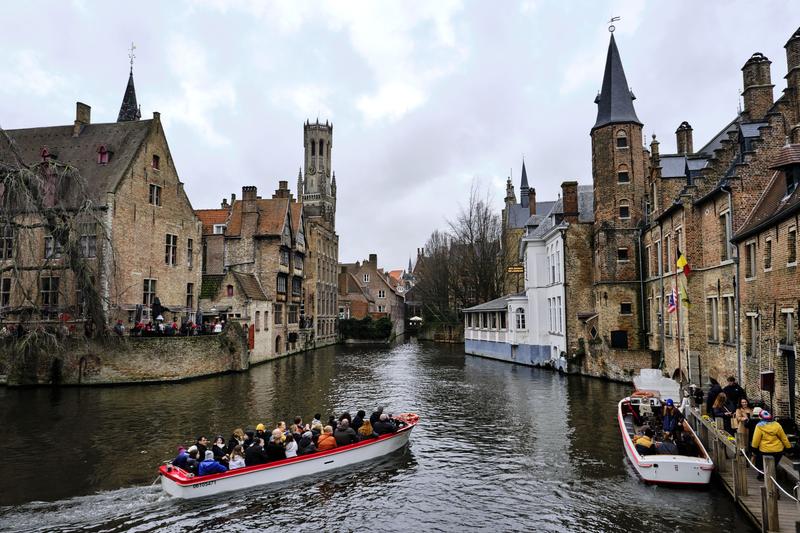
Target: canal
x: 500, y: 447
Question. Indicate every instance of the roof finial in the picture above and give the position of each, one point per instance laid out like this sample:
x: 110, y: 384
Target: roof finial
x: 611, y: 22
x: 131, y: 55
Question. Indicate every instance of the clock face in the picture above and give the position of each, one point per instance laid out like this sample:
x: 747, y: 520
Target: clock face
x: 311, y: 170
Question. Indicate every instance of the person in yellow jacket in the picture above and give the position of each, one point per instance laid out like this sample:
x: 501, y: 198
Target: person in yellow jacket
x: 769, y: 439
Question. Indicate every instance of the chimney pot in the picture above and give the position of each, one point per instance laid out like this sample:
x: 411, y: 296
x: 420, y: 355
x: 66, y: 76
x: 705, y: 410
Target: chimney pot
x: 532, y: 200
x: 757, y: 82
x: 249, y: 193
x: 569, y: 195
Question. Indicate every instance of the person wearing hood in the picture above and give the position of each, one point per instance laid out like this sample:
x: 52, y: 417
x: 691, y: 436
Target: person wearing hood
x: 182, y: 459
x: 673, y: 419
x: 210, y: 466
x: 306, y: 444
x: 769, y: 439
x: 255, y: 455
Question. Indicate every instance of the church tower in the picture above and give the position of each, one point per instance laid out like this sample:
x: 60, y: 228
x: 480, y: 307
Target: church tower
x: 129, y: 110
x: 319, y: 183
x: 619, y: 174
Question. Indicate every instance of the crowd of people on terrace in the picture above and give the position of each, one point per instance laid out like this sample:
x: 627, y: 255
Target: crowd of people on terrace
x: 162, y: 328
x: 730, y: 404
x: 259, y: 446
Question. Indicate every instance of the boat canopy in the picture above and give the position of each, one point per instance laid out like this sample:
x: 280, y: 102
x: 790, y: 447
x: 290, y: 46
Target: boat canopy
x: 651, y: 379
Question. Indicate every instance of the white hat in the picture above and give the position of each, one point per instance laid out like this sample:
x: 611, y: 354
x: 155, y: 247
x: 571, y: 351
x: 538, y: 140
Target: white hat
x: 757, y: 411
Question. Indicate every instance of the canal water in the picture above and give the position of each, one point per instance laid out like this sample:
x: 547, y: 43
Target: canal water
x: 499, y: 448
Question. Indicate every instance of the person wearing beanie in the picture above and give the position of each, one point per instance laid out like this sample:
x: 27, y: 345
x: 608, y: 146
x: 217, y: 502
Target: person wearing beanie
x: 769, y: 439
x: 260, y: 429
x: 672, y: 420
x: 210, y: 466
x: 306, y: 444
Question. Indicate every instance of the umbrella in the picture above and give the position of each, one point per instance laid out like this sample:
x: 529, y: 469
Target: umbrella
x: 415, y: 319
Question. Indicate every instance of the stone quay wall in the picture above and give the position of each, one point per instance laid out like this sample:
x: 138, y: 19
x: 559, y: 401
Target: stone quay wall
x: 124, y: 360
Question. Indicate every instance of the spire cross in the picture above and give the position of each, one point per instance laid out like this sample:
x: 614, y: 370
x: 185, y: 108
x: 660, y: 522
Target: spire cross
x: 131, y: 55
x: 611, y: 22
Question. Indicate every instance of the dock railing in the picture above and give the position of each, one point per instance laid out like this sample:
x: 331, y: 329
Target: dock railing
x: 765, y: 501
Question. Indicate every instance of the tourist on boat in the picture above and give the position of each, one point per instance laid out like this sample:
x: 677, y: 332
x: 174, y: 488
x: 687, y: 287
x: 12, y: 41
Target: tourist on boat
x: 344, y: 434
x: 210, y: 466
x: 255, y: 455
x: 261, y: 430
x: 346, y: 416
x: 317, y: 419
x: 194, y: 459
x: 376, y: 416
x: 686, y: 403
x: 742, y: 415
x: 274, y: 449
x: 713, y: 391
x: 721, y: 410
x: 672, y: 419
x: 249, y: 438
x: 358, y: 420
x: 384, y: 426
x: 769, y: 439
x: 220, y: 449
x: 237, y: 439
x: 202, y: 446
x: 290, y: 446
x: 326, y: 441
x: 182, y: 459
x: 298, y: 421
x: 734, y: 391
x: 316, y: 431
x: 282, y: 428
x: 306, y: 444
x: 366, y: 431
x: 645, y: 444
x: 667, y: 447
x: 237, y: 458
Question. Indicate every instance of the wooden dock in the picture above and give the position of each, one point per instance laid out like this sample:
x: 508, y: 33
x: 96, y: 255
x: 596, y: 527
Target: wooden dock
x: 761, y: 501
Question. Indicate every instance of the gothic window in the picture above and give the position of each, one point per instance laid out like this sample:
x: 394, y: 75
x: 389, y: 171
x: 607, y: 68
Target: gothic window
x: 321, y: 150
x: 52, y: 248
x: 624, y: 209
x: 282, y: 284
x: 712, y: 319
x: 278, y: 314
x: 258, y: 320
x: 622, y: 139
x: 229, y: 291
x: 313, y: 148
x: 297, y: 286
x: 103, y: 155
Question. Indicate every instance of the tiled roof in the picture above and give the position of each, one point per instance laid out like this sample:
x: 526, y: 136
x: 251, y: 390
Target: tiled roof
x: 297, y: 216
x: 775, y: 205
x: 250, y: 286
x: 209, y: 217
x: 787, y: 155
x: 122, y: 139
x: 396, y: 274
x: 271, y: 217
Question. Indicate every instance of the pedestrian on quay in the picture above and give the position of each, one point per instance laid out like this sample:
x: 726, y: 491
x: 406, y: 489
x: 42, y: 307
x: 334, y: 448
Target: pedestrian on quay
x: 713, y: 391
x: 734, y: 391
x: 721, y: 410
x: 769, y: 439
x: 742, y: 415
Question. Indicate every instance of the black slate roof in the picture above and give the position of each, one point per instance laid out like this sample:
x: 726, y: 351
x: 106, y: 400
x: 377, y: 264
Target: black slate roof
x: 615, y: 101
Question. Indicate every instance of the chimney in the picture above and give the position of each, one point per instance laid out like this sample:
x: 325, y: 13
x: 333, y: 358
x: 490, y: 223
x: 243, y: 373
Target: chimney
x: 248, y: 193
x: 83, y: 117
x: 532, y: 200
x: 283, y: 190
x: 233, y: 198
x: 656, y: 155
x: 569, y: 196
x: 373, y: 258
x: 792, y: 47
x: 224, y: 204
x: 684, y: 137
x: 758, y: 86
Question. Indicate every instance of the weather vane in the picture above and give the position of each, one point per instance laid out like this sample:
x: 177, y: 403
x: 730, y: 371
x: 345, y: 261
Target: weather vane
x: 131, y: 55
x: 611, y: 22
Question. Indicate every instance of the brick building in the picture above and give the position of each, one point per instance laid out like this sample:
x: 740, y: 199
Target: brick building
x: 147, y: 243
x: 316, y: 186
x: 262, y: 243
x: 376, y: 291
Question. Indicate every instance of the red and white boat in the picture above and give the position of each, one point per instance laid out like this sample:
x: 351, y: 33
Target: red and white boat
x: 666, y: 469
x: 179, y: 483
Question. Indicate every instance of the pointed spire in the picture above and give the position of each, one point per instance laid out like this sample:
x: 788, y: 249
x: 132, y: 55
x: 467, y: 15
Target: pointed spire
x: 300, y: 183
x: 333, y: 184
x: 409, y: 266
x: 523, y: 186
x: 615, y: 101
x: 129, y: 110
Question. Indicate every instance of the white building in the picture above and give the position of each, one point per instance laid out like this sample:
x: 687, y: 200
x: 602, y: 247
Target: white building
x: 530, y: 327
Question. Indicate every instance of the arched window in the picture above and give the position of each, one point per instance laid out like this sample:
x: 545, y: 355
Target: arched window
x: 520, y: 314
x: 321, y: 149
x: 622, y: 174
x: 313, y: 147
x: 258, y: 320
x: 278, y: 344
x: 230, y: 290
x: 624, y: 209
x: 102, y: 155
x: 622, y: 139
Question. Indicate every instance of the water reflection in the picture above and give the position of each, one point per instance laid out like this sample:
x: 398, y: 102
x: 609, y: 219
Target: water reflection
x: 500, y: 447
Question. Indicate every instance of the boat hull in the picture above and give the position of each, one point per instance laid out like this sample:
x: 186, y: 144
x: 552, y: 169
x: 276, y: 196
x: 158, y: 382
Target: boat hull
x: 666, y: 469
x: 176, y: 484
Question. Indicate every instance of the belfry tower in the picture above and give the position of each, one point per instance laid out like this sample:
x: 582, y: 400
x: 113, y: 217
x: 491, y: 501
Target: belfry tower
x: 318, y: 186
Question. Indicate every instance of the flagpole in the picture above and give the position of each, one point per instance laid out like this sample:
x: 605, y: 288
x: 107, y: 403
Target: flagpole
x: 678, y: 316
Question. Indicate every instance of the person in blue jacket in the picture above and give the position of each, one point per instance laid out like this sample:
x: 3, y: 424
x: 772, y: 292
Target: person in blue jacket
x: 671, y: 422
x: 210, y: 466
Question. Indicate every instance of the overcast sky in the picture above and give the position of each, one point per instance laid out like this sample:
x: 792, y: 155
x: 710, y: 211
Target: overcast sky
x: 425, y: 97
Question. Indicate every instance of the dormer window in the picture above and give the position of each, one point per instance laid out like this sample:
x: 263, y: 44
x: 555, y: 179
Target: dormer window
x: 792, y: 178
x: 622, y: 139
x: 219, y: 229
x: 156, y: 162
x: 103, y: 155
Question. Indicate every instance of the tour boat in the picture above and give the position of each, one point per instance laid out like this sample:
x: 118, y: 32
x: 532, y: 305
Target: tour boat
x: 641, y: 409
x: 179, y: 483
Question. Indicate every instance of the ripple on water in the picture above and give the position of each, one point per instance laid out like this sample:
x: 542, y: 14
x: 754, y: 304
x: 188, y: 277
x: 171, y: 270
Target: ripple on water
x: 499, y: 448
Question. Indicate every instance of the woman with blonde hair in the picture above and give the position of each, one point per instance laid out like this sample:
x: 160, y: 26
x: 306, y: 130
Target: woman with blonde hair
x: 237, y: 458
x: 366, y: 431
x: 742, y: 415
x: 237, y: 439
x: 326, y: 440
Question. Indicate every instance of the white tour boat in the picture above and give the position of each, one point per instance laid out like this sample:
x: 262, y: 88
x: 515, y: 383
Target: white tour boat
x: 181, y: 484
x: 641, y: 410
